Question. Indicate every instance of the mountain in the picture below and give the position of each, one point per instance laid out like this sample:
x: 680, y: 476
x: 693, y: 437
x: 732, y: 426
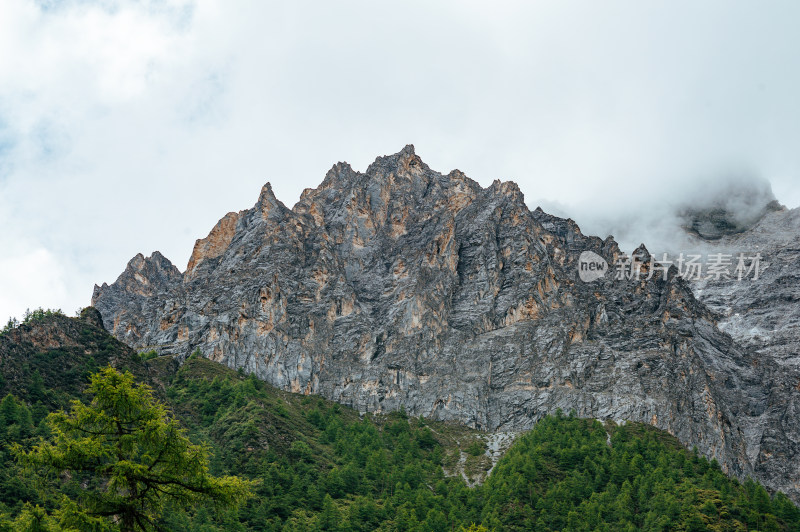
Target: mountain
x: 320, y: 466
x: 405, y: 287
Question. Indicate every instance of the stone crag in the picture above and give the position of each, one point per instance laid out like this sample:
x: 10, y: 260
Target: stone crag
x: 763, y: 316
x: 404, y: 286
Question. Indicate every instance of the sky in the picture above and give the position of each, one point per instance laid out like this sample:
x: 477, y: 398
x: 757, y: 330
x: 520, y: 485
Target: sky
x: 134, y: 126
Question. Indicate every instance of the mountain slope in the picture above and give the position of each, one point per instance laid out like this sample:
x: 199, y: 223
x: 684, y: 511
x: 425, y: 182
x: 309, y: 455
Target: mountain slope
x: 402, y: 286
x: 49, y: 359
x: 321, y: 466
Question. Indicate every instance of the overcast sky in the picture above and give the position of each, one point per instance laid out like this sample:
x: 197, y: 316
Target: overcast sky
x: 130, y: 127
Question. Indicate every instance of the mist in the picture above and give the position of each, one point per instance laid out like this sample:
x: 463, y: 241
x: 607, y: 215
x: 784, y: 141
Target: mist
x: 661, y: 219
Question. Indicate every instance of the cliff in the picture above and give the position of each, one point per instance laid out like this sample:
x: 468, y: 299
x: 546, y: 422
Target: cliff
x: 404, y: 286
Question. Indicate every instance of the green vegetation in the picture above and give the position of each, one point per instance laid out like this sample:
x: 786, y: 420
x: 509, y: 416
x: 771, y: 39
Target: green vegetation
x: 30, y: 316
x: 148, y: 355
x: 324, y: 467
x: 125, y: 458
x: 564, y: 475
x: 12, y: 324
x: 51, y: 364
x: 476, y: 448
x: 39, y: 314
x: 316, y: 465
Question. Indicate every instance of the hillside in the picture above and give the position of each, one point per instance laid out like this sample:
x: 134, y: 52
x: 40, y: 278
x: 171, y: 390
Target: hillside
x: 48, y: 359
x: 323, y: 466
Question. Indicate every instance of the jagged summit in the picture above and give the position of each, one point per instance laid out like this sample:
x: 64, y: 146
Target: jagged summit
x: 641, y: 252
x: 144, y: 275
x: 402, y: 286
x: 405, y: 158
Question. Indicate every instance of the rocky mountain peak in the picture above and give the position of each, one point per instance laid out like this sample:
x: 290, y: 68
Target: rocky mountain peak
x: 145, y: 275
x: 217, y: 240
x: 338, y: 174
x: 407, y: 151
x: 270, y: 207
x: 404, y: 160
x: 401, y: 286
x: 641, y: 253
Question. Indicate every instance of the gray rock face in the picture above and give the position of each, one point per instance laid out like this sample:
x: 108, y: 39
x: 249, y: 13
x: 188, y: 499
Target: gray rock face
x: 763, y: 316
x: 403, y: 286
x: 762, y: 313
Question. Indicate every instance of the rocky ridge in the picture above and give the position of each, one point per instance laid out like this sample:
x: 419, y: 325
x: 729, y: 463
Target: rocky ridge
x: 404, y: 286
x: 761, y: 313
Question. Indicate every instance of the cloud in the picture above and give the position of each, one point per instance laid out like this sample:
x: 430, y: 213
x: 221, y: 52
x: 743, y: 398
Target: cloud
x: 134, y: 126
x: 31, y: 279
x: 662, y: 219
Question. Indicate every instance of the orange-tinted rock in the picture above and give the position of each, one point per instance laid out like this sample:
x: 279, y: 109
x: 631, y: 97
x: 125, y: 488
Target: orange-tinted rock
x: 214, y: 244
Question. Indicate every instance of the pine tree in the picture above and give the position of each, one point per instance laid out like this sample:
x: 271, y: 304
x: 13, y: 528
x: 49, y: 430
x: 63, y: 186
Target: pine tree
x: 330, y: 517
x: 132, y: 457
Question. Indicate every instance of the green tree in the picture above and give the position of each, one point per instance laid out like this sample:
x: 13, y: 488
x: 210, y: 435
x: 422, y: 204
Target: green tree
x: 131, y: 457
x: 34, y: 519
x: 329, y: 518
x: 12, y: 324
x: 473, y: 528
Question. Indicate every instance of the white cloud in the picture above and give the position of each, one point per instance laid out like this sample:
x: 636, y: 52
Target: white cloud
x: 32, y: 279
x: 128, y: 127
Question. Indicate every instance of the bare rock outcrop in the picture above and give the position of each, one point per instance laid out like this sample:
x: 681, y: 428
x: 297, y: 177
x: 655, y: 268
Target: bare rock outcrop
x: 405, y: 286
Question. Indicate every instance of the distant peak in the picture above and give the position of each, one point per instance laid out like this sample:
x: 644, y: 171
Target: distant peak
x: 505, y: 186
x: 338, y: 172
x: 156, y: 255
x: 269, y: 205
x: 405, y: 159
x: 155, y: 264
x: 215, y: 243
x: 507, y: 189
x: 408, y: 150
x: 641, y: 253
x: 266, y: 192
x: 727, y: 207
x: 139, y: 261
